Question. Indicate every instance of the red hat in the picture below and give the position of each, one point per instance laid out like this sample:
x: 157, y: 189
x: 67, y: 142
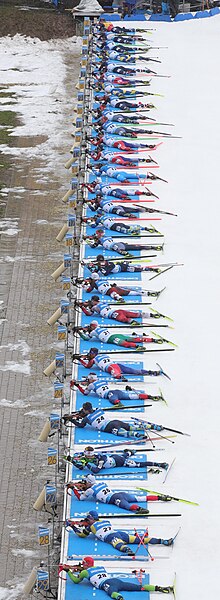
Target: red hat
x: 88, y: 561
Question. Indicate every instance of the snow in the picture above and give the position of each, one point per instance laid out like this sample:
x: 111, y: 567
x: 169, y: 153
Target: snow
x: 11, y: 594
x: 35, y: 71
x: 13, y: 404
x: 17, y: 367
x: 192, y: 296
x: 9, y: 227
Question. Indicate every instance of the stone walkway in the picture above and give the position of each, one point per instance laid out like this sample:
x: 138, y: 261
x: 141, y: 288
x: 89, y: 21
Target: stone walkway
x: 28, y: 344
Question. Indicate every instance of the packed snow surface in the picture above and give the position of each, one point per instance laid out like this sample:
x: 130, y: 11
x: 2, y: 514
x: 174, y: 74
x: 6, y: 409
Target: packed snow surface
x: 192, y: 296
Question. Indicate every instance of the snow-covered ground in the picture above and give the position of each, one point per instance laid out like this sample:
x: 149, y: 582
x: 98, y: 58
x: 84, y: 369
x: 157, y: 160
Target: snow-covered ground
x: 191, y: 102
x: 193, y: 292
x: 35, y: 72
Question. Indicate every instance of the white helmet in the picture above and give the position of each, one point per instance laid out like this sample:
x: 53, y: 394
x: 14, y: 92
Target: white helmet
x: 92, y: 377
x: 94, y: 323
x: 95, y: 276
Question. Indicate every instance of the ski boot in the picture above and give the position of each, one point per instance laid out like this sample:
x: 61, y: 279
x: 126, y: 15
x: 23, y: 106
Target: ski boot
x: 116, y: 596
x: 154, y: 470
x: 136, y: 230
x: 67, y: 457
x: 129, y: 452
x: 153, y: 294
x: 128, y: 551
x: 167, y: 542
x: 142, y: 511
x: 151, y: 229
x: 163, y: 465
x: 156, y: 398
x: 164, y: 498
x: 164, y: 590
x: 137, y: 434
x: 128, y: 388
x: 133, y: 323
x: 155, y: 315
x: 138, y: 349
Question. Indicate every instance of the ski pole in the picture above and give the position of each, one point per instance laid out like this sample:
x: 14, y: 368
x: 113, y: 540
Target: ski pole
x: 149, y: 439
x: 164, y: 427
x: 163, y: 437
x: 141, y: 540
x: 133, y: 442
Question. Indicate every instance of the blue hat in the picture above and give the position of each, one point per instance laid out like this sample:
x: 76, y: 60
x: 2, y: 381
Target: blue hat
x: 93, y: 514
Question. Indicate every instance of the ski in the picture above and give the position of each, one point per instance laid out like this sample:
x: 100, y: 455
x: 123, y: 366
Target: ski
x: 162, y: 212
x: 161, y: 314
x: 168, y: 470
x: 161, y: 272
x: 162, y: 397
x: 174, y: 587
x: 177, y: 533
x: 163, y: 372
x: 160, y: 292
x: 168, y: 496
x: 164, y: 339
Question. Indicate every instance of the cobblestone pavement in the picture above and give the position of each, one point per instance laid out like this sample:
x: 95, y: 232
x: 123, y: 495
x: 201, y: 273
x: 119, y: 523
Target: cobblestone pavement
x: 28, y: 345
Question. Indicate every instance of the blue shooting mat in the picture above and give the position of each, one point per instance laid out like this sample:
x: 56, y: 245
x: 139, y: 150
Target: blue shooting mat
x: 113, y: 276
x: 115, y: 109
x: 104, y: 402
x: 91, y: 213
x: 104, y: 347
x: 87, y: 592
x: 95, y: 400
x: 82, y: 372
x: 112, y: 232
x: 91, y: 546
x: 108, y: 300
x: 111, y: 473
x: 79, y: 508
x: 93, y: 252
x: 88, y: 435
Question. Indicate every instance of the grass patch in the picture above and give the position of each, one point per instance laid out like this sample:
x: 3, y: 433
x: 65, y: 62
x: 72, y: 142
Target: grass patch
x: 8, y: 121
x: 6, y: 94
x: 8, y: 118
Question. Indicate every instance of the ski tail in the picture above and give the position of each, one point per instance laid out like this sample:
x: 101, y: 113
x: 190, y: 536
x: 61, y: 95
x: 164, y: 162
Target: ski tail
x: 163, y: 372
x: 174, y: 586
x: 162, y: 397
x: 168, y: 470
x: 164, y: 339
